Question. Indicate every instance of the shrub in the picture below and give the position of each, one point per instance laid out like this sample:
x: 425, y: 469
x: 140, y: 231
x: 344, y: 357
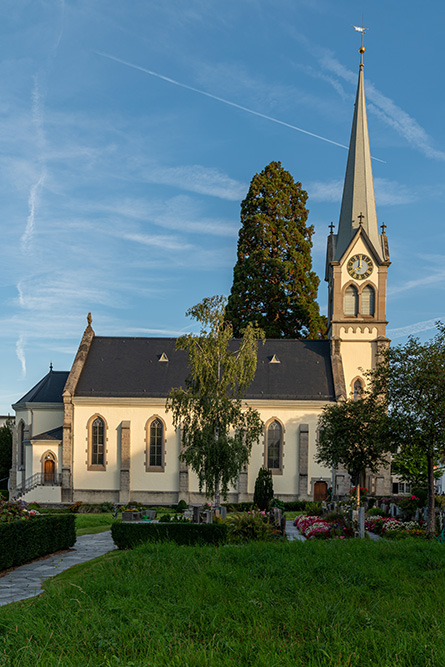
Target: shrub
x: 4, y: 493
x: 75, y: 507
x: 181, y: 506
x: 295, y: 506
x: 130, y: 535
x: 313, y: 508
x: 22, y: 541
x: 248, y: 526
x: 263, y: 493
x: 239, y: 507
x: 375, y: 511
x: 106, y: 507
x: 422, y: 495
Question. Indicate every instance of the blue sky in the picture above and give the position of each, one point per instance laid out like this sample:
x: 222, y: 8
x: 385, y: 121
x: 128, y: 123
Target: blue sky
x: 130, y: 132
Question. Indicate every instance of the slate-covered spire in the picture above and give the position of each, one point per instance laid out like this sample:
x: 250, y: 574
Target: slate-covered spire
x: 358, y: 203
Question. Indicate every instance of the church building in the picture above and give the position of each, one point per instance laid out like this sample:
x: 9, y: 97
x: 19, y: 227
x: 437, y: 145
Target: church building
x: 100, y: 432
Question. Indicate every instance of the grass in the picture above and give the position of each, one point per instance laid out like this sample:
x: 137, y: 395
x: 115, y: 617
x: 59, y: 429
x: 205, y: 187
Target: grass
x: 314, y: 604
x: 93, y: 523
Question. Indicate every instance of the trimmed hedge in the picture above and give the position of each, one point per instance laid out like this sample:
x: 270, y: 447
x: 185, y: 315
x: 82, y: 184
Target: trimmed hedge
x: 130, y: 535
x: 22, y: 541
x: 291, y: 506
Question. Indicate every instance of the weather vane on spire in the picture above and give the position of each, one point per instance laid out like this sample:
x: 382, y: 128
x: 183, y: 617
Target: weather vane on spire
x: 361, y: 29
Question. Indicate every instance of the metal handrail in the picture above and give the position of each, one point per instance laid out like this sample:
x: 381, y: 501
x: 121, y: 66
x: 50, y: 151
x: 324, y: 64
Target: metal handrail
x: 40, y: 479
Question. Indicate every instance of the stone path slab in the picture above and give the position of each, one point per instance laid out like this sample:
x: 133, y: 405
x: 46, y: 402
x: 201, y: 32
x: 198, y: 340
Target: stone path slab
x: 292, y: 532
x: 25, y: 581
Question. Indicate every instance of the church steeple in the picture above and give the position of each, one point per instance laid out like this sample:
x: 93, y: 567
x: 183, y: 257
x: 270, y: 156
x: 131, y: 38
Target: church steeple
x: 358, y: 202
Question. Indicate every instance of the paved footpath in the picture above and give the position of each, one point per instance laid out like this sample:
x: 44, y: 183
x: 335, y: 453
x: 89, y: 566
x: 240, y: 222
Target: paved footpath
x: 292, y: 532
x: 25, y: 581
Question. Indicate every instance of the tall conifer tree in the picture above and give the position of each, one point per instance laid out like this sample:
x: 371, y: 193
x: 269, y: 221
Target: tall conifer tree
x: 273, y: 281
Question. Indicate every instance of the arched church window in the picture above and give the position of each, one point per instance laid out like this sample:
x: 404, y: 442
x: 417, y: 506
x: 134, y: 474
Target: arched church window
x: 21, y: 445
x: 274, y: 447
x: 97, y: 437
x: 155, y: 442
x: 368, y: 301
x: 351, y: 300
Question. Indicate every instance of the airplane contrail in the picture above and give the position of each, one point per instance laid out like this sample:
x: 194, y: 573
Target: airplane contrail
x: 221, y: 99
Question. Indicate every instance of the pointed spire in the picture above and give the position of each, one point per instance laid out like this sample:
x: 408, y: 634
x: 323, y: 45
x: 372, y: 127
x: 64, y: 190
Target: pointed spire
x: 358, y: 203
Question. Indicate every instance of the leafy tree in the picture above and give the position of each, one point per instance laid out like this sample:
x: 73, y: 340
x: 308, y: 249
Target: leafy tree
x: 412, y: 467
x: 412, y: 377
x: 5, y: 452
x: 353, y: 435
x: 217, y: 430
x: 273, y: 281
x: 263, y: 492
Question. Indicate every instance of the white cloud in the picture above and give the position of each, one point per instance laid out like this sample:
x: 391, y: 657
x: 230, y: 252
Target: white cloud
x: 415, y: 328
x: 196, y: 178
x: 20, y: 352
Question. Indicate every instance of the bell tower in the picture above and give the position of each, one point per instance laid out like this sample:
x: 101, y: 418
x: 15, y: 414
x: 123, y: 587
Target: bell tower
x: 357, y: 261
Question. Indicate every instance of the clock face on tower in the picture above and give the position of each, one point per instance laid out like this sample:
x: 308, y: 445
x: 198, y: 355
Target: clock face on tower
x: 360, y: 266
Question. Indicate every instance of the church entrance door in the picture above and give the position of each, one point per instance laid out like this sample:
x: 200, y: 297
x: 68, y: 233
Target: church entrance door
x: 320, y: 491
x: 48, y: 471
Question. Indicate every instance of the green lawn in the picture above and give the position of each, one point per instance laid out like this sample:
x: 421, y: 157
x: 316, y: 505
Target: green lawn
x: 315, y: 604
x: 93, y: 523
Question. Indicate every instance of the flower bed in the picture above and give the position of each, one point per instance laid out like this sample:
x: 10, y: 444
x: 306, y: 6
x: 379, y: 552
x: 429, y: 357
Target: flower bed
x: 315, y: 527
x: 394, y: 528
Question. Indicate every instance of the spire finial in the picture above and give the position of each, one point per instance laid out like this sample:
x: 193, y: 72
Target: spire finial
x: 89, y: 319
x: 331, y: 227
x: 50, y: 366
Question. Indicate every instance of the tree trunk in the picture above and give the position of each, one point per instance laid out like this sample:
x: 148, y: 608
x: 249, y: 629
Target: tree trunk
x: 217, y: 495
x: 431, y: 528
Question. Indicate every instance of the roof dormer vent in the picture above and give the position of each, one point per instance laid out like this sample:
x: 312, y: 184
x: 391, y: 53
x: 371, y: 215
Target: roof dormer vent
x: 162, y: 357
x: 274, y: 359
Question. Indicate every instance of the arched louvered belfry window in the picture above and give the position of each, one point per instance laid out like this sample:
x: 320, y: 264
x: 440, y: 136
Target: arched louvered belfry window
x: 155, y: 445
x: 351, y: 300
x: 97, y: 439
x: 274, y: 446
x: 367, y: 301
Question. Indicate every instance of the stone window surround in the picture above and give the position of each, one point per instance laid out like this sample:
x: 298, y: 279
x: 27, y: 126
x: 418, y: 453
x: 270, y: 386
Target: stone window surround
x: 359, y: 288
x: 90, y: 466
x: 148, y: 467
x: 274, y: 471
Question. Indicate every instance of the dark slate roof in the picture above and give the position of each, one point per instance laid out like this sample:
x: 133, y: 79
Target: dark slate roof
x: 130, y: 367
x: 48, y: 390
x: 53, y: 434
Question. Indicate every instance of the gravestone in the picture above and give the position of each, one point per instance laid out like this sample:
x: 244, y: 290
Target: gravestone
x: 277, y: 516
x: 392, y: 509
x: 208, y: 516
x: 197, y: 513
x: 361, y: 522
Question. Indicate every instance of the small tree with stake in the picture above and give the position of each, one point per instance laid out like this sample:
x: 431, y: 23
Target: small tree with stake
x: 217, y: 430
x: 352, y: 435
